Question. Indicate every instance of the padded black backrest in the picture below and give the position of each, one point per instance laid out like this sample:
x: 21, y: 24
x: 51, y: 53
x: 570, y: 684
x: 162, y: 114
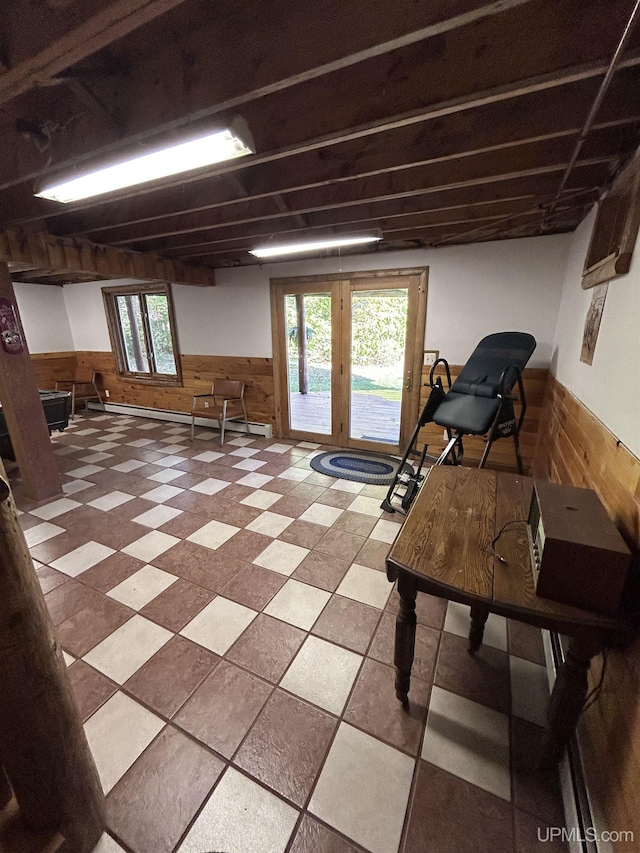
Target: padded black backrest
x: 481, y: 374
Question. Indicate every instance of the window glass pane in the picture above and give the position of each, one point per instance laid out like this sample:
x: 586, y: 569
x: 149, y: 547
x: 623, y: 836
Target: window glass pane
x: 135, y: 350
x: 309, y: 360
x: 161, y: 341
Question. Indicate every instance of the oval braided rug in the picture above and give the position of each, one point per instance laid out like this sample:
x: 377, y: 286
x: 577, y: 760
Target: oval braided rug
x: 363, y: 466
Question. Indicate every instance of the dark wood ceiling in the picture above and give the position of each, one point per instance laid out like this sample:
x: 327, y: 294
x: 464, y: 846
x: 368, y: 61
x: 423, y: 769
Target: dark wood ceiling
x: 428, y: 122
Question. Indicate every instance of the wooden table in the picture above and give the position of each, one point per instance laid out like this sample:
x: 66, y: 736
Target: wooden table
x: 444, y: 548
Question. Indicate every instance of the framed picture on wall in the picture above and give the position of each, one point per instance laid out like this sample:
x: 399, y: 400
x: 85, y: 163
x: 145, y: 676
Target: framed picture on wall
x: 592, y: 323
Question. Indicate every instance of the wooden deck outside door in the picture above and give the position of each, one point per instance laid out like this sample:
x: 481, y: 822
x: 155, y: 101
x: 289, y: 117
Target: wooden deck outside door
x: 340, y: 289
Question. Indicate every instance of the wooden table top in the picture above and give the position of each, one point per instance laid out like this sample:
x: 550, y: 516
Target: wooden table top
x: 445, y: 543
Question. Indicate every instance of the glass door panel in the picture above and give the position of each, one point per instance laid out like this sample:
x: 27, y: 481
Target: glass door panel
x: 309, y: 365
x: 377, y: 350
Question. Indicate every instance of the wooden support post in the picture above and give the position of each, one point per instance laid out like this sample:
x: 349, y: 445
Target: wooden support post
x: 23, y: 412
x: 42, y: 743
x: 301, y: 334
x: 5, y: 788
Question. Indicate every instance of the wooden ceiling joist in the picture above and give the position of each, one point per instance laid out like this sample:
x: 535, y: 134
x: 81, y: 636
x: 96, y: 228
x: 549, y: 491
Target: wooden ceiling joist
x: 66, y: 257
x: 45, y: 40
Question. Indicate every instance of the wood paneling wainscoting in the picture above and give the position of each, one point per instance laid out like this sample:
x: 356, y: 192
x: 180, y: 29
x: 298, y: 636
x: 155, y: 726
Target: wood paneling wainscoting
x: 198, y: 372
x: 576, y: 448
x: 51, y: 367
x: 502, y: 454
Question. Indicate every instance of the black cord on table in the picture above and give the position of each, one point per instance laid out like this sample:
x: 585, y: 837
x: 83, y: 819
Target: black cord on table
x: 499, y: 534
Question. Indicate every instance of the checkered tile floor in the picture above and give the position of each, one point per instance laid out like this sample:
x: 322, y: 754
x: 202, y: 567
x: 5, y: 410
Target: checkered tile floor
x: 229, y: 633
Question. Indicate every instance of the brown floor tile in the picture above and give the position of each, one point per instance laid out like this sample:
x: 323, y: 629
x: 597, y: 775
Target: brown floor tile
x: 373, y: 707
x: 338, y: 543
x: 347, y: 623
x: 59, y: 545
x: 187, y: 480
x: 303, y: 533
x: 112, y: 571
x: 223, y: 708
x: 68, y: 599
x: 193, y: 502
x: 118, y: 535
x: 534, y: 791
x: 183, y: 525
x: 313, y: 837
x: 254, y: 586
x: 355, y: 522
x: 26, y: 521
x: 449, y: 815
x: 279, y: 487
x: 267, y: 647
x: 233, y: 513
x: 154, y: 802
x: 334, y: 497
x: 50, y: 579
x: 430, y: 610
x: 533, y: 835
x: 525, y: 641
x: 307, y: 492
x: 167, y: 680
x: 131, y: 509
x: 87, y: 627
x: 290, y: 506
x: 373, y: 554
x: 236, y: 493
x: 245, y: 545
x: 287, y: 745
x: 81, y: 518
x: 90, y: 688
x: 426, y: 648
x: 200, y: 565
x: 177, y: 605
x: 482, y: 677
x: 322, y: 571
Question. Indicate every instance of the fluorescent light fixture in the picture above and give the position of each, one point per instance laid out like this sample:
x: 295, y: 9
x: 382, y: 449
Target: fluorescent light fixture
x: 312, y: 246
x: 184, y: 157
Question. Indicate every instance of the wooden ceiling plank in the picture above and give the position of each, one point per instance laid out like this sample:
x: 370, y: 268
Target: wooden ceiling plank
x: 64, y: 256
x: 506, y: 124
x: 502, y: 187
x: 419, y: 91
x: 420, y: 180
x: 85, y: 35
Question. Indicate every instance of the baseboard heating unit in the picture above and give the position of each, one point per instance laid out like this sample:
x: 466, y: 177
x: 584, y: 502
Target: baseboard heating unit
x: 265, y: 430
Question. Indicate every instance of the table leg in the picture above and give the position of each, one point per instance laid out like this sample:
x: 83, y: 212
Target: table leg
x: 405, y: 635
x: 569, y: 694
x: 479, y: 616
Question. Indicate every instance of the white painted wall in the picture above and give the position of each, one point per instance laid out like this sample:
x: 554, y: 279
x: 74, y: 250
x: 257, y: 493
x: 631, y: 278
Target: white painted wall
x: 510, y: 285
x: 44, y: 317
x: 610, y: 387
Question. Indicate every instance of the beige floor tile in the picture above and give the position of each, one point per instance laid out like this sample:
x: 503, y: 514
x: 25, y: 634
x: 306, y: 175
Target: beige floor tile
x: 219, y: 624
x: 529, y: 690
x: 366, y: 585
x: 55, y: 508
x: 321, y: 514
x: 142, y: 587
x: 82, y: 558
x: 261, y: 500
x: 298, y: 604
x: 469, y: 740
x: 385, y: 531
x: 323, y: 674
x: 150, y: 546
x: 135, y: 727
x: 110, y: 501
x: 281, y: 557
x: 41, y: 533
x: 210, y: 486
x: 157, y: 516
x: 364, y: 789
x: 243, y: 817
x: 270, y: 524
x: 368, y: 506
x: 458, y: 621
x: 213, y: 534
x: 129, y: 647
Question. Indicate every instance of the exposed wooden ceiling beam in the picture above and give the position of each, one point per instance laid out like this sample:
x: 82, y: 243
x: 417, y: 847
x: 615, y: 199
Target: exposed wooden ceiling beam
x: 66, y: 256
x: 248, y: 236
x: 45, y: 41
x: 504, y: 124
x: 418, y: 82
x: 535, y: 158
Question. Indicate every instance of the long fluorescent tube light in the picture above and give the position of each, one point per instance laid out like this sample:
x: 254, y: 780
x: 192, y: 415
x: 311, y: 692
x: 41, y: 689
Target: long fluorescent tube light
x: 184, y: 157
x: 316, y: 245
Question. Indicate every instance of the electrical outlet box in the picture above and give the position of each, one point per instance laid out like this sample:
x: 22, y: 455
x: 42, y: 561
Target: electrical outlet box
x: 430, y: 357
x: 206, y: 404
x: 106, y: 393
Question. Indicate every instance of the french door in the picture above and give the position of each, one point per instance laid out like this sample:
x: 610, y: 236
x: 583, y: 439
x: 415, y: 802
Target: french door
x: 348, y: 354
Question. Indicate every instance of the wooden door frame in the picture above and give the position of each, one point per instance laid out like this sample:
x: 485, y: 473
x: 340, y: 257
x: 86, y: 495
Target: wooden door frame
x: 326, y: 283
